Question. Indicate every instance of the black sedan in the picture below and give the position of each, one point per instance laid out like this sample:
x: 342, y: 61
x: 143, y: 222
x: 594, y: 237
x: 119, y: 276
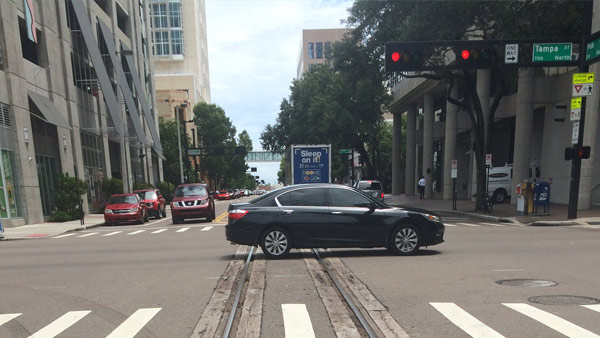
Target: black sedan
x: 329, y: 216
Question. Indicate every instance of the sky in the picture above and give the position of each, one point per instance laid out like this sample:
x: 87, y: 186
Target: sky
x: 253, y: 48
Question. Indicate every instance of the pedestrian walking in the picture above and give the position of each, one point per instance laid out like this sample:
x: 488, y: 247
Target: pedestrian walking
x: 422, y: 188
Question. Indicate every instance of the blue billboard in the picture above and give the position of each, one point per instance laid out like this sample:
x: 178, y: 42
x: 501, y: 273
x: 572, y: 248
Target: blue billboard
x: 311, y: 163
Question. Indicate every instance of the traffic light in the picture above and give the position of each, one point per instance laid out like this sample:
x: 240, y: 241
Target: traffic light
x: 360, y: 160
x: 569, y: 153
x: 581, y: 153
x: 400, y: 58
x: 474, y: 57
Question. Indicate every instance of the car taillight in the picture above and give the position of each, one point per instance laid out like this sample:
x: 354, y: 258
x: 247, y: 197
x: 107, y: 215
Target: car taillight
x: 237, y: 214
x: 382, y: 195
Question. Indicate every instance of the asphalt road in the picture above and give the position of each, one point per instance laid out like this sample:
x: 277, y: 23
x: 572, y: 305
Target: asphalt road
x: 163, y: 276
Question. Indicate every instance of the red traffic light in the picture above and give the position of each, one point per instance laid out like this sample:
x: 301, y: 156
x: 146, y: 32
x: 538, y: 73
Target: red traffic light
x: 395, y: 56
x: 465, y: 54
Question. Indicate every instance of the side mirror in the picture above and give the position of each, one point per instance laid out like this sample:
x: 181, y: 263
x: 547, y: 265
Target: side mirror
x: 372, y: 207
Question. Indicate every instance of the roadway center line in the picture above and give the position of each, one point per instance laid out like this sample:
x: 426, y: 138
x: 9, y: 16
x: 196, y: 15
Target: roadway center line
x: 296, y: 321
x: 465, y: 321
x: 56, y: 327
x: 552, y: 321
x: 132, y: 325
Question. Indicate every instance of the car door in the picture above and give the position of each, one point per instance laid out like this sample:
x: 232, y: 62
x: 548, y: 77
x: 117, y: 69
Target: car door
x: 306, y: 214
x: 352, y: 220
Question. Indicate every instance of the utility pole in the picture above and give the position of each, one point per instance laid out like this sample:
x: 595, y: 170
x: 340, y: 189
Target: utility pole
x: 177, y: 111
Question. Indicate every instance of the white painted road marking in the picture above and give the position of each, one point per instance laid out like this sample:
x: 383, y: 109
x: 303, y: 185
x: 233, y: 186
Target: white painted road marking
x: 495, y: 224
x: 7, y: 317
x: 206, y: 228
x: 469, y: 224
x: 136, y: 232
x: 56, y: 327
x: 130, y: 327
x: 62, y: 236
x: 449, y: 225
x: 159, y: 231
x: 471, y: 325
x: 182, y: 229
x: 296, y: 321
x: 90, y: 234
x: 595, y: 307
x: 552, y: 321
x: 112, y: 233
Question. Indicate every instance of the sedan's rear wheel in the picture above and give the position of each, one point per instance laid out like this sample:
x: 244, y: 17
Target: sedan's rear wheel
x: 405, y: 240
x: 276, y: 243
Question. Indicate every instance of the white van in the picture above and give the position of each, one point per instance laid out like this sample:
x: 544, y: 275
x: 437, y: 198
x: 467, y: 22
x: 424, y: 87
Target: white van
x: 499, y: 182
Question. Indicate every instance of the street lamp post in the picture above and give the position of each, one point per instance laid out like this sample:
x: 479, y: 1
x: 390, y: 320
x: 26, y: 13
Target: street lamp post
x: 177, y: 111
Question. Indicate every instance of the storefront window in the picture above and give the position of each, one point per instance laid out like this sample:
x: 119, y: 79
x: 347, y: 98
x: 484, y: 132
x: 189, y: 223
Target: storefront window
x: 9, y: 193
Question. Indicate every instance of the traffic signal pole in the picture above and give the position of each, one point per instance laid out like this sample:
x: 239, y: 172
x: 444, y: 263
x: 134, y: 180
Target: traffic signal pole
x: 584, y: 68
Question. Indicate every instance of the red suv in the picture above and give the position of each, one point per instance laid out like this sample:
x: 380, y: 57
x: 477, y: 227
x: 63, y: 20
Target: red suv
x: 125, y: 208
x: 192, y: 201
x: 154, y: 200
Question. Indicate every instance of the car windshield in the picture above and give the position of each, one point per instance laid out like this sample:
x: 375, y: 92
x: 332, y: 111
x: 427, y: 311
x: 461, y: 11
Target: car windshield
x: 369, y: 185
x: 123, y: 199
x: 150, y: 195
x: 191, y: 190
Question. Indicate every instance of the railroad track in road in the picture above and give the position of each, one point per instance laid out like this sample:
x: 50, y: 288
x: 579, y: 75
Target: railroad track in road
x: 235, y: 308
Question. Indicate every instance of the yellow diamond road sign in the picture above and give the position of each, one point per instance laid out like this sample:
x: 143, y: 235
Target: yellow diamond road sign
x: 575, y: 103
x: 581, y: 78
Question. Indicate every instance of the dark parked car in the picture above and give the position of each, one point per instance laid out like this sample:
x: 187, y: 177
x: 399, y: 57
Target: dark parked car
x: 192, y: 201
x: 370, y: 187
x: 125, y: 208
x: 331, y: 216
x: 155, y: 202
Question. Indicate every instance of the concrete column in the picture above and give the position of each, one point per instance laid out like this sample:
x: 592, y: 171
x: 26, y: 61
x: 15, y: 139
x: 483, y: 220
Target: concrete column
x: 589, y: 178
x: 411, y: 127
x: 450, y: 143
x: 428, y: 108
x: 396, y: 153
x: 483, y: 90
x: 523, y: 126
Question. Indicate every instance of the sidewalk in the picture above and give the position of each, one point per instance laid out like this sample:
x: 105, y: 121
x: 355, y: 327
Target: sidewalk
x: 504, y: 212
x: 52, y: 229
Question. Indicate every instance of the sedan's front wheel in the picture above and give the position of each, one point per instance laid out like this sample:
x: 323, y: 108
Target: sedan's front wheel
x: 404, y: 240
x: 276, y: 243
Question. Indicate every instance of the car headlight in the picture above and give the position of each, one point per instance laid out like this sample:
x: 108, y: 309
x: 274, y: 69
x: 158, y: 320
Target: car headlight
x: 133, y: 210
x: 108, y: 211
x: 432, y: 218
x: 202, y: 202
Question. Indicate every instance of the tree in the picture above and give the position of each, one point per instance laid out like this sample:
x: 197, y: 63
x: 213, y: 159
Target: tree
x: 377, y: 22
x: 68, y: 194
x: 169, y: 141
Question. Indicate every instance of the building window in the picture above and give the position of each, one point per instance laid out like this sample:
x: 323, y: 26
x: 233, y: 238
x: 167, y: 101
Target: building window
x: 319, y: 50
x: 327, y: 50
x: 177, y: 42
x: 161, y: 42
x: 31, y: 50
x: 9, y: 185
x: 175, y: 14
x: 311, y: 50
x: 4, y: 116
x: 159, y: 16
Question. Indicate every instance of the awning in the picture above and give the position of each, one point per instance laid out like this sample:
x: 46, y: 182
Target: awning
x: 49, y: 110
x: 159, y: 154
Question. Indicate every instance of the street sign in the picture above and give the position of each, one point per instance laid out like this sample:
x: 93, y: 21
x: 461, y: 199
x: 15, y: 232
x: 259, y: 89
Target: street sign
x: 311, y: 164
x: 544, y: 52
x: 453, y: 173
x: 194, y: 152
x: 488, y: 159
x: 575, y: 103
x: 592, y: 50
x: 575, y: 114
x: 575, y: 136
x: 580, y: 78
x: 454, y: 164
x: 511, y: 53
x: 345, y: 151
x: 585, y: 89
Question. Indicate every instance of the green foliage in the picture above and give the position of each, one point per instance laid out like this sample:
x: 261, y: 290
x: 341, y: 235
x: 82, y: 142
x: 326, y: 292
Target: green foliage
x: 61, y: 216
x: 68, y: 192
x: 142, y: 186
x: 169, y: 141
x: 166, y: 189
x: 111, y: 186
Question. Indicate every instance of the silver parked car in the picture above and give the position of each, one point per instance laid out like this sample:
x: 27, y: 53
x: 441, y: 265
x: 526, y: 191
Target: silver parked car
x: 371, y: 187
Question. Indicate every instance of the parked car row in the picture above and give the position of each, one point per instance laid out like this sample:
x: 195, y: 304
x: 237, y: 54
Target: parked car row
x: 230, y: 194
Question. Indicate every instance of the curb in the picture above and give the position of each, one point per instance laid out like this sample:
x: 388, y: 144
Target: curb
x: 84, y: 227
x: 555, y: 223
x: 485, y: 217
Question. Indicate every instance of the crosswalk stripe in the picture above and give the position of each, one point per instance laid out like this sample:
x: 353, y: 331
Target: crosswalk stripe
x: 296, y: 321
x: 206, y: 228
x: 132, y: 325
x: 469, y: 224
x: 466, y: 322
x: 182, y: 229
x: 113, y: 233
x: 7, y: 317
x: 56, y: 327
x: 136, y: 232
x: 449, y: 224
x: 494, y: 224
x: 62, y: 236
x: 159, y: 231
x: 595, y: 307
x: 90, y: 234
x: 552, y: 321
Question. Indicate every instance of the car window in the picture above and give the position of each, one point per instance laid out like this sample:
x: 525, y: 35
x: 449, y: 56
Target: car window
x: 122, y: 199
x: 303, y: 197
x: 150, y: 195
x: 366, y: 185
x: 347, y: 198
x: 191, y: 190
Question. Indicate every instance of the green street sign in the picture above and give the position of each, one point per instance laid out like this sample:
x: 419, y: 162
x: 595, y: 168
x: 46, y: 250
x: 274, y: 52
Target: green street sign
x: 194, y: 152
x: 592, y: 50
x: 345, y: 151
x: 547, y: 52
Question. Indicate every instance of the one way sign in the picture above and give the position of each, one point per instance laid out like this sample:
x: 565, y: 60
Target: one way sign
x: 511, y: 53
x: 585, y: 89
